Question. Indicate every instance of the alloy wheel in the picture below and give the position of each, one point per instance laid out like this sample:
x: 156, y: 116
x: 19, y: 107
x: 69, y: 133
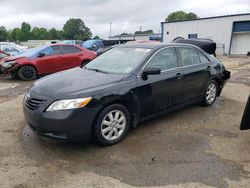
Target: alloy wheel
x: 211, y: 93
x: 113, y: 125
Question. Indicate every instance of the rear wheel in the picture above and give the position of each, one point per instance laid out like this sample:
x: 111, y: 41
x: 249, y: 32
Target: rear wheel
x: 210, y: 94
x: 27, y: 72
x: 112, y: 125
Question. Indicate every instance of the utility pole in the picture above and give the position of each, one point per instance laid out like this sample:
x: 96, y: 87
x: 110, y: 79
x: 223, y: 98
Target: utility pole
x: 110, y: 31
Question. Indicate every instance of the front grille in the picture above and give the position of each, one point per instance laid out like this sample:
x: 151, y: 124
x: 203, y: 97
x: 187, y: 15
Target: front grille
x: 34, y: 104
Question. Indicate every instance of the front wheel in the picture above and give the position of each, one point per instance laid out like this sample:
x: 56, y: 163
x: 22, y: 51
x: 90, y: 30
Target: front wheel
x: 27, y: 72
x: 112, y: 125
x: 210, y: 94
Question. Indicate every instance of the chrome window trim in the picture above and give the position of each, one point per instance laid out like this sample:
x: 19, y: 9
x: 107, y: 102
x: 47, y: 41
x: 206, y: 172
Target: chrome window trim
x: 140, y: 73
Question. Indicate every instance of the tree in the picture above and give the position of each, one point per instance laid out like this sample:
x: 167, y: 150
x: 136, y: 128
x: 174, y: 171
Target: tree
x: 15, y: 35
x: 25, y: 30
x: 54, y: 34
x: 39, y: 33
x: 75, y: 29
x: 96, y: 37
x: 150, y: 31
x: 3, y: 33
x: 181, y: 15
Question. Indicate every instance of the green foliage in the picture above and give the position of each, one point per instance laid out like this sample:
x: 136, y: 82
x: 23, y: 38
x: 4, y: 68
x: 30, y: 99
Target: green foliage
x: 75, y: 29
x: 150, y: 31
x: 25, y: 31
x: 96, y: 37
x: 39, y: 33
x: 3, y: 33
x: 181, y: 15
x: 125, y: 34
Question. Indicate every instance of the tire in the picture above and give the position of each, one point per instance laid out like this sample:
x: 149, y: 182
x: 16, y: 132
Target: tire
x: 14, y: 75
x: 107, y: 125
x: 210, y: 94
x: 27, y: 73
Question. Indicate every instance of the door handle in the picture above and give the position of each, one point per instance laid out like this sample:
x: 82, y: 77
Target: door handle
x: 179, y: 76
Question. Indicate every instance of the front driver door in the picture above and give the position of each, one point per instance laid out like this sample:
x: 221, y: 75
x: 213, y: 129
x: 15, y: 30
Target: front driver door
x: 161, y: 92
x: 51, y: 62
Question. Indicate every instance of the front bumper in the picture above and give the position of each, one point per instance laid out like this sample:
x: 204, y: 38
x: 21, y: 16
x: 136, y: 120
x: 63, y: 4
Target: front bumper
x: 71, y: 125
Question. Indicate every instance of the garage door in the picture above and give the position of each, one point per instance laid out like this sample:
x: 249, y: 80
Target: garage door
x: 240, y: 43
x: 241, y: 38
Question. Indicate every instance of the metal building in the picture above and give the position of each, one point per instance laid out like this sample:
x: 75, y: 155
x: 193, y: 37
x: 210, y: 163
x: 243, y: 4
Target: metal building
x: 156, y: 36
x: 231, y: 32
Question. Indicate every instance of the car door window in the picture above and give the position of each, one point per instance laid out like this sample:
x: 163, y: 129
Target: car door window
x: 165, y: 59
x: 70, y: 49
x: 56, y: 49
x: 203, y: 58
x: 47, y: 51
x: 189, y: 56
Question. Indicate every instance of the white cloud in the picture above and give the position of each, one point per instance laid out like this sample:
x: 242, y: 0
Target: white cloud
x: 126, y: 16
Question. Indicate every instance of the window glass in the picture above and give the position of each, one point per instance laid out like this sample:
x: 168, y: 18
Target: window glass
x: 48, y: 51
x: 165, y: 59
x: 204, y: 59
x: 189, y: 56
x: 56, y: 49
x: 70, y: 49
x: 119, y: 60
x: 7, y: 49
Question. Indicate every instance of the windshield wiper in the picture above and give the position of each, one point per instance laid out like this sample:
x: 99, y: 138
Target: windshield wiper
x: 97, y: 70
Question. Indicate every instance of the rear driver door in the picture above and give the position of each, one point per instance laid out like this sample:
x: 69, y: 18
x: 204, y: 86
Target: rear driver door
x: 196, y: 74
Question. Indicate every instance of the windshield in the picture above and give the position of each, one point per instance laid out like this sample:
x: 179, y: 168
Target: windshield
x: 88, y: 44
x: 119, y: 60
x: 33, y: 52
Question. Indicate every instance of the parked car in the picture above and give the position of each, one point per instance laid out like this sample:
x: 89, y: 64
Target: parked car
x: 208, y: 45
x: 120, y: 88
x: 3, y: 55
x: 101, y: 46
x: 45, y: 60
x: 74, y: 42
x: 11, y: 48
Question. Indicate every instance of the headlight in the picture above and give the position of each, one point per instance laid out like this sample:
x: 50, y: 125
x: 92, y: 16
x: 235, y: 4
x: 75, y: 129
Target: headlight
x: 69, y: 104
x: 8, y: 64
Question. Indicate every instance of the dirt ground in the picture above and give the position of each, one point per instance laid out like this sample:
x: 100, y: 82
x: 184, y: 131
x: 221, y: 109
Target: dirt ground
x: 193, y: 147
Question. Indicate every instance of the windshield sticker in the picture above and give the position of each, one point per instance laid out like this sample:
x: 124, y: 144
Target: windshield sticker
x: 142, y: 50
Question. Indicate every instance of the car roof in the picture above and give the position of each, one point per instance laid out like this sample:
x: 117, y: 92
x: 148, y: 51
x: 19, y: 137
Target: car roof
x: 155, y: 45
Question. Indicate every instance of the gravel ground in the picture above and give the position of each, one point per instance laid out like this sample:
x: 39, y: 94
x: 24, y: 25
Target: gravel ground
x: 193, y: 147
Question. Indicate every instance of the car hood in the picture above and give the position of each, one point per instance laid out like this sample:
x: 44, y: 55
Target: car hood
x: 11, y: 58
x: 72, y: 83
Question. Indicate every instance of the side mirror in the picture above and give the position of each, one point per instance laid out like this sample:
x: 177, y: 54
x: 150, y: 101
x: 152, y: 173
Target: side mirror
x: 150, y: 71
x: 41, y: 54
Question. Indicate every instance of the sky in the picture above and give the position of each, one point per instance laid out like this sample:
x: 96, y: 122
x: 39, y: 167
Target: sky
x: 126, y: 15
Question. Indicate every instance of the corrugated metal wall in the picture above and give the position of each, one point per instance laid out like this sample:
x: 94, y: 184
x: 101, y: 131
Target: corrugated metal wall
x: 217, y: 29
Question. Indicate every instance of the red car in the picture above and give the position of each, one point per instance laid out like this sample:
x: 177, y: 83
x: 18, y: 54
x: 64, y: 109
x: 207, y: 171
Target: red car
x: 45, y: 60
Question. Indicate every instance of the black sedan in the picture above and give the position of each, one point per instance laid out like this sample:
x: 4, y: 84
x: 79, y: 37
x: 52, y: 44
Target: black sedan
x: 119, y: 89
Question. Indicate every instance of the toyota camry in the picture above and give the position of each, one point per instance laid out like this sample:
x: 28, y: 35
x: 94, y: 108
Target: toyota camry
x: 121, y: 88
